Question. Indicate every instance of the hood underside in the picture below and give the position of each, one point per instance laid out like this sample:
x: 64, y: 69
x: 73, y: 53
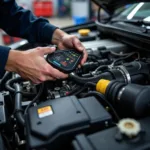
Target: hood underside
x: 111, y: 5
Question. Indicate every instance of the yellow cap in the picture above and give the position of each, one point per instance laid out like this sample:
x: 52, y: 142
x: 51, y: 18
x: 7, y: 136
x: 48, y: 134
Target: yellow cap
x: 84, y: 32
x: 101, y: 85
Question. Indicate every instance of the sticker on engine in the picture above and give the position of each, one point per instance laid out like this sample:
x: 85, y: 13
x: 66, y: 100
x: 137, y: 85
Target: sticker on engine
x: 45, y: 111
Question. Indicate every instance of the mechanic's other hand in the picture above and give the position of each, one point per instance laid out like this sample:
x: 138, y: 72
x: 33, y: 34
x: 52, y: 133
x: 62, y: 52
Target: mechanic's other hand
x: 31, y: 65
x: 66, y: 41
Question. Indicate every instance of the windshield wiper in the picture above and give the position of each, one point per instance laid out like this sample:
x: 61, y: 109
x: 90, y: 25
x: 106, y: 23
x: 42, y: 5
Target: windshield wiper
x: 133, y: 21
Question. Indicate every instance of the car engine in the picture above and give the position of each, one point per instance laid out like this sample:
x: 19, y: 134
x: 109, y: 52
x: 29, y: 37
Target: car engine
x: 103, y: 104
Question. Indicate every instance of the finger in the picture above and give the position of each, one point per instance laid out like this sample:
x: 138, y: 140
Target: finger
x: 35, y: 81
x: 85, y: 55
x: 52, y: 72
x: 57, y: 74
x: 43, y: 79
x: 67, y: 41
x: 46, y: 50
x: 61, y: 46
x: 77, y: 44
x: 50, y: 78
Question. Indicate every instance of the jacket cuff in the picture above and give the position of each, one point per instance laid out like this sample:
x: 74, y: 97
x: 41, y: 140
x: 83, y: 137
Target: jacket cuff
x: 47, y: 32
x: 4, y: 51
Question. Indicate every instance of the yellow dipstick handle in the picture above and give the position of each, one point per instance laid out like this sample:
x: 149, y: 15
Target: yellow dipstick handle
x: 84, y: 32
x: 101, y: 85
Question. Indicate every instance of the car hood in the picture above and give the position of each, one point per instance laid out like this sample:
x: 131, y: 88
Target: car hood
x: 111, y: 5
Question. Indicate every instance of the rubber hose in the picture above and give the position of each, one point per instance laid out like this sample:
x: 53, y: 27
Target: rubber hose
x: 11, y: 89
x: 80, y: 89
x: 81, y: 80
x: 6, y: 77
x: 18, y: 107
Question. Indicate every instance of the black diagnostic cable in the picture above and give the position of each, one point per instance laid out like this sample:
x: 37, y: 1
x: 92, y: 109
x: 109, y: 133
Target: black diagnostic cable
x: 35, y: 99
x: 102, y: 97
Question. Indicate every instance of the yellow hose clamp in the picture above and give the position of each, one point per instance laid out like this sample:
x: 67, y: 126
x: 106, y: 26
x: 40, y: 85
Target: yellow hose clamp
x: 102, y: 85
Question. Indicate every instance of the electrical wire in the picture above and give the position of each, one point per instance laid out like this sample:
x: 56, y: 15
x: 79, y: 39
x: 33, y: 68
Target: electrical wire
x: 74, y: 90
x: 79, y: 90
x: 119, y: 54
x: 102, y: 97
x: 125, y: 54
x: 126, y: 57
x: 101, y: 68
x: 35, y: 99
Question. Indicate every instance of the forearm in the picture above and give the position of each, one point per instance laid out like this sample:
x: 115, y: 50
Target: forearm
x: 12, y: 61
x: 4, y: 52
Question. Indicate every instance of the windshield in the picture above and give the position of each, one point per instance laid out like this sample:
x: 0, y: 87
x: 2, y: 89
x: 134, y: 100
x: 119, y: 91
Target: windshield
x: 138, y: 11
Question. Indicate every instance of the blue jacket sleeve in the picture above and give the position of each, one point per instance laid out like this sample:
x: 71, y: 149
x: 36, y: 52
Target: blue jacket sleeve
x: 4, y: 51
x: 19, y: 22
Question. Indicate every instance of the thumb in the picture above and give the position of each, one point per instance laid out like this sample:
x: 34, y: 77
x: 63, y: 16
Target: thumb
x: 47, y: 50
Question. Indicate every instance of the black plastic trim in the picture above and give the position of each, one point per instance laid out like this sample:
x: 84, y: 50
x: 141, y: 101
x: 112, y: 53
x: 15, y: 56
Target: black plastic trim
x: 132, y: 38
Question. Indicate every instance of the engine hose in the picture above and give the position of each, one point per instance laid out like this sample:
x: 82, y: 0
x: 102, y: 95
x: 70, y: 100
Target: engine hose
x: 18, y: 107
x: 81, y: 80
x: 74, y: 90
x: 6, y: 77
x: 103, y: 67
x: 80, y: 89
x: 35, y: 99
x: 11, y: 89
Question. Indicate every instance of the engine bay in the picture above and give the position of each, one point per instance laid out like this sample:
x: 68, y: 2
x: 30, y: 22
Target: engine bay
x: 74, y: 114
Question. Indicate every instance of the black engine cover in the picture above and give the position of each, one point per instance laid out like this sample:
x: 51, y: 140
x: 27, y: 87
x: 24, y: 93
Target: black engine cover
x: 54, y: 123
x: 111, y: 140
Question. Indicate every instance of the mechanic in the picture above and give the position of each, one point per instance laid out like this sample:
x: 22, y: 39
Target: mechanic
x: 31, y: 64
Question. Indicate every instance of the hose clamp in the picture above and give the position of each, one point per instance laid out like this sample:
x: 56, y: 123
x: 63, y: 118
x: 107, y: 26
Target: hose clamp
x: 125, y: 73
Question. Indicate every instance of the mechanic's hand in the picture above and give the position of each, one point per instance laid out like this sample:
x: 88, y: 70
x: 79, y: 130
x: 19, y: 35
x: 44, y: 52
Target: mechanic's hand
x: 31, y: 65
x: 66, y: 41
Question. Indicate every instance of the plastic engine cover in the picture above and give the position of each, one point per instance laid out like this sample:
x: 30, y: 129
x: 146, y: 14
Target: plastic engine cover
x: 110, y: 139
x: 54, y: 123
